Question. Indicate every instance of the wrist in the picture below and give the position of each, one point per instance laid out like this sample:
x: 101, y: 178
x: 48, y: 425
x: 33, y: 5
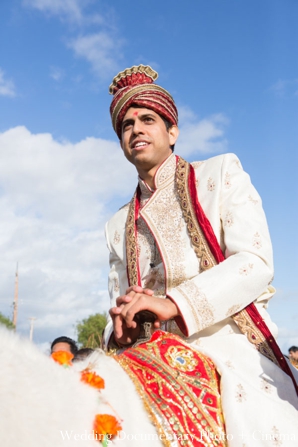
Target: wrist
x: 173, y: 308
x: 118, y: 343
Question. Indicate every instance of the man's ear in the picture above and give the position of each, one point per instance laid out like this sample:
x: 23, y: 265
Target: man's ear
x: 173, y: 134
x: 120, y: 142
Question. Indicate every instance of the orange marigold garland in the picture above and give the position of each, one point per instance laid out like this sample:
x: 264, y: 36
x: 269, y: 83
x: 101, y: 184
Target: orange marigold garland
x: 92, y: 379
x: 106, y: 427
x: 63, y: 357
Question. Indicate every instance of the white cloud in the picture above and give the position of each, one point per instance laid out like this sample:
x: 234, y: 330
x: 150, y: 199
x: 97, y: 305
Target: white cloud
x: 285, y: 88
x: 186, y: 114
x: 279, y: 87
x: 71, y: 10
x: 7, y: 87
x: 57, y: 73
x: 201, y: 136
x: 54, y: 200
x: 100, y: 49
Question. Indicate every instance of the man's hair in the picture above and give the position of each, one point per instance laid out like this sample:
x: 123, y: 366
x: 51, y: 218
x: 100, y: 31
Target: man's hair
x: 168, y: 127
x: 82, y: 354
x: 70, y: 341
x: 167, y: 122
x: 293, y: 349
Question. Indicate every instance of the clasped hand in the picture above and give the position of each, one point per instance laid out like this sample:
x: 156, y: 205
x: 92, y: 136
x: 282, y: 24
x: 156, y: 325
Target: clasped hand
x: 136, y: 299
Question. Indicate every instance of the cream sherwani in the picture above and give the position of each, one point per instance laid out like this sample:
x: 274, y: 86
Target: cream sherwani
x: 258, y: 398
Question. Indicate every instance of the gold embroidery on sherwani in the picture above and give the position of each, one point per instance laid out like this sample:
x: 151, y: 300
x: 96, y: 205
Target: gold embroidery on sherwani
x: 196, y: 164
x: 146, y: 243
x: 116, y: 285
x: 163, y: 214
x: 246, y: 269
x: 210, y: 184
x: 233, y: 309
x: 199, y: 305
x: 257, y: 241
x: 228, y: 220
x: 167, y: 170
x: 195, y: 233
x: 229, y: 364
x: 238, y: 164
x: 240, y: 393
x: 227, y: 182
x: 131, y: 245
x: 247, y: 327
x: 251, y: 199
x: 116, y: 238
x: 265, y: 386
x: 276, y: 437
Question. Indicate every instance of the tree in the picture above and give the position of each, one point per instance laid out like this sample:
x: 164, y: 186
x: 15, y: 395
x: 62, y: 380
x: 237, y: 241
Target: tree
x: 90, y: 330
x: 6, y: 321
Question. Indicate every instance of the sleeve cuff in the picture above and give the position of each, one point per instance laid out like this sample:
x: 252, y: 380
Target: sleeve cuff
x: 179, y: 320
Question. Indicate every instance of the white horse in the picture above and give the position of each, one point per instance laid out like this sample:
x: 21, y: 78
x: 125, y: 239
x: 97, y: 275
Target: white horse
x: 43, y: 404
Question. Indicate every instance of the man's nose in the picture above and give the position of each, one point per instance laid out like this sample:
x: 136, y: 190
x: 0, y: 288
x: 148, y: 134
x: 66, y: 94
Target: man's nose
x: 138, y: 127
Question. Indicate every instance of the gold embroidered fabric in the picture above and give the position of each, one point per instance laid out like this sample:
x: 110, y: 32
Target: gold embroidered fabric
x: 254, y: 336
x: 131, y: 245
x: 180, y: 390
x: 197, y: 238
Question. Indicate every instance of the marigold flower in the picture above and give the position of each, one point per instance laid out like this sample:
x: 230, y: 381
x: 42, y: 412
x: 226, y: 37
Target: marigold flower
x: 92, y: 379
x: 106, y: 424
x: 62, y: 357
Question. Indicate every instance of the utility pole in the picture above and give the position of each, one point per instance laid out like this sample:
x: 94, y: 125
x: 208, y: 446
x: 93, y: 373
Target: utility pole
x: 31, y: 327
x: 15, y: 301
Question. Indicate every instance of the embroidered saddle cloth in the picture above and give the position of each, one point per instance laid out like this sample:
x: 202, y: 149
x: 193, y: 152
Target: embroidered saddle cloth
x: 180, y: 390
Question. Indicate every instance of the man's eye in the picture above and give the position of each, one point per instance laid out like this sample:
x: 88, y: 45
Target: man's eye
x: 149, y: 119
x: 126, y: 126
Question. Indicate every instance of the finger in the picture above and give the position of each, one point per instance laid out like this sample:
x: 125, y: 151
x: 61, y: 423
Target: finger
x: 114, y: 311
x: 148, y: 292
x: 137, y: 289
x: 121, y: 300
x: 118, y: 327
x: 163, y: 309
x: 136, y: 292
x: 140, y: 302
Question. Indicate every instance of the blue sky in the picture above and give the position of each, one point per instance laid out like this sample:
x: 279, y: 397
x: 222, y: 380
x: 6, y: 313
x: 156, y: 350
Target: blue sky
x: 232, y: 67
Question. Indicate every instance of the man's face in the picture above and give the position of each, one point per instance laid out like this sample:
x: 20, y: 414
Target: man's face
x: 293, y: 355
x: 145, y: 140
x: 61, y: 347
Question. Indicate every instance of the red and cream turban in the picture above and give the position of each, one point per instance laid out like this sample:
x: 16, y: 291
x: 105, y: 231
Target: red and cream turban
x: 135, y: 85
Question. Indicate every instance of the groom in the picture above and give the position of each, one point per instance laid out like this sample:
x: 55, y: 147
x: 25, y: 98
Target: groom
x: 193, y: 247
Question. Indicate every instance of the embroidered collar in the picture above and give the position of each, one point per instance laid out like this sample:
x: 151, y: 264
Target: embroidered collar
x: 164, y: 174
